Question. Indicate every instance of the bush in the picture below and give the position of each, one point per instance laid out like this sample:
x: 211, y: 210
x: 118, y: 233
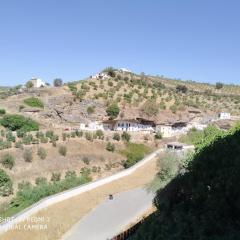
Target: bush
x: 28, y: 155
x: 116, y: 136
x: 2, y: 111
x: 158, y: 135
x: 5, y: 184
x: 126, y: 137
x: 91, y: 109
x: 86, y: 160
x: 112, y: 111
x: 40, y: 180
x: 34, y: 102
x: 15, y: 122
x: 62, y: 150
x: 70, y: 174
x: 8, y: 161
x: 42, y: 153
x: 56, y: 177
x: 110, y: 147
x: 100, y: 134
x: 89, y: 136
x: 57, y: 82
x: 181, y: 88
x: 29, y: 84
x: 219, y: 85
x: 110, y: 71
x: 134, y: 152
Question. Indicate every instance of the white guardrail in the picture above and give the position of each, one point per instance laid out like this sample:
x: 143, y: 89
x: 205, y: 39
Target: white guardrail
x: 50, y: 200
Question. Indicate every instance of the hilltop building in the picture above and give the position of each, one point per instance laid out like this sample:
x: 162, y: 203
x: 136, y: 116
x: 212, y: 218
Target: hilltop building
x: 37, y: 82
x: 101, y: 75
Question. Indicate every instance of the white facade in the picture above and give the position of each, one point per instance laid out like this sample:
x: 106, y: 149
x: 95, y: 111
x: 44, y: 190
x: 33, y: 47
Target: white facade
x: 102, y: 75
x: 124, y: 125
x: 125, y: 70
x: 92, y: 126
x: 165, y: 130
x: 224, y: 116
x: 37, y: 82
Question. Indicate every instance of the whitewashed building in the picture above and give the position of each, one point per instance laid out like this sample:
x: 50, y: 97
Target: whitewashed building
x: 125, y: 70
x: 37, y: 82
x: 224, y: 116
x: 91, y: 126
x: 165, y: 129
x: 101, y: 75
x: 131, y: 125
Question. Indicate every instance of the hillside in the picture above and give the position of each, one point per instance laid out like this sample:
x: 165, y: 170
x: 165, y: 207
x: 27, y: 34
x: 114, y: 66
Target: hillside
x: 157, y: 98
x: 203, y: 202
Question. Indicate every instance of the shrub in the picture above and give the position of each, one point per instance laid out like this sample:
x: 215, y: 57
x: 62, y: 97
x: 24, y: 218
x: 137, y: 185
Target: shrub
x: 49, y: 134
x: 29, y: 84
x: 116, y: 136
x: 134, y: 152
x: 181, y: 88
x: 40, y: 180
x: 42, y: 153
x: 5, y: 184
x: 28, y: 155
x: 10, y: 137
x: 86, y: 160
x: 158, y: 135
x: 110, y: 147
x: 110, y: 71
x: 219, y: 85
x: 100, y: 134
x: 62, y: 150
x: 15, y: 122
x: 113, y: 111
x: 126, y: 137
x: 34, y: 102
x: 70, y: 174
x: 56, y: 177
x: 8, y: 161
x: 89, y: 136
x: 57, y: 82
x: 91, y: 109
x: 2, y: 111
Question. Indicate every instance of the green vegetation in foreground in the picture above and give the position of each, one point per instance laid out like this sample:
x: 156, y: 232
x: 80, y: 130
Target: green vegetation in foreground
x: 15, y: 122
x: 34, y: 102
x: 134, y: 153
x: 29, y: 194
x: 201, y: 203
x: 197, y: 137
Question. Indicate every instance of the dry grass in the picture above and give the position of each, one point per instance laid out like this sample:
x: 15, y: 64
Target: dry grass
x: 64, y: 215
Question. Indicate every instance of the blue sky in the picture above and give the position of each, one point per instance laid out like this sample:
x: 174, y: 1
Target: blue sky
x: 71, y: 39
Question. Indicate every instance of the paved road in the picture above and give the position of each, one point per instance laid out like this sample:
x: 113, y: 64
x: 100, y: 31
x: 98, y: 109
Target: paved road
x: 111, y: 216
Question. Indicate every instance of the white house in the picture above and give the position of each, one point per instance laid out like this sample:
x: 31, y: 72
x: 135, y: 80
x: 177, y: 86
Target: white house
x: 91, y: 126
x: 101, y: 75
x: 125, y: 70
x: 172, y: 129
x: 224, y: 116
x: 37, y: 82
x: 131, y: 125
x: 165, y: 129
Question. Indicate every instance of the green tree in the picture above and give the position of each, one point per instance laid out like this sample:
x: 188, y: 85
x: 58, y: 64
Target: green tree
x: 5, y: 184
x: 57, y: 82
x: 112, y: 111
